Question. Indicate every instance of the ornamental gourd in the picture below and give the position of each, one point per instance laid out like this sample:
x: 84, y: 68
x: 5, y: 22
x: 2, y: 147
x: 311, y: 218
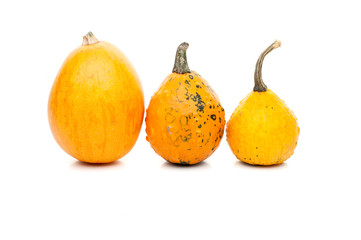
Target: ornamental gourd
x: 262, y: 130
x: 185, y: 120
x: 96, y: 104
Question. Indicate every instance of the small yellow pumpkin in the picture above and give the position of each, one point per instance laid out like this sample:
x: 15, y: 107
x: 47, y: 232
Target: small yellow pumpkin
x: 96, y: 104
x: 185, y: 120
x: 262, y: 130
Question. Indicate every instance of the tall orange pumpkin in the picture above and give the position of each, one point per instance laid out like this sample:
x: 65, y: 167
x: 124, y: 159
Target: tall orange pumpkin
x: 96, y: 104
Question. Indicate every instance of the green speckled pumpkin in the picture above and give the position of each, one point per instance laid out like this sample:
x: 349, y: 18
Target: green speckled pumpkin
x: 185, y: 120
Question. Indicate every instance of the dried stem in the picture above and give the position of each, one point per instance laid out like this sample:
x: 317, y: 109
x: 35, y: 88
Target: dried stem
x: 259, y: 85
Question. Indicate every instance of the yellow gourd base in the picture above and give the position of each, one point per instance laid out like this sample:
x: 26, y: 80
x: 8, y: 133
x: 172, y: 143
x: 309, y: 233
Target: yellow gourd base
x: 262, y: 130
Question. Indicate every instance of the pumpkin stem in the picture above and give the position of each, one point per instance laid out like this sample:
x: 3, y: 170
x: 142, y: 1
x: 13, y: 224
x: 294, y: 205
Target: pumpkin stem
x: 89, y: 38
x: 259, y: 85
x: 181, y: 64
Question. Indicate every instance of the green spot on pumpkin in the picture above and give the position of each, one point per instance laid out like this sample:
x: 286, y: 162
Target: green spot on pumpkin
x: 184, y: 162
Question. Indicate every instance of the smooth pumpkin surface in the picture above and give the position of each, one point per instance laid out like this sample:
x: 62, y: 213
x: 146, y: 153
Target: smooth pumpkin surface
x: 96, y: 104
x: 185, y: 120
x: 262, y: 130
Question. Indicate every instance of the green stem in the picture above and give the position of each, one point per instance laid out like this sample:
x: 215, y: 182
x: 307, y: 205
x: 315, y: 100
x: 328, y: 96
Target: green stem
x: 89, y: 38
x: 180, y: 63
x: 259, y: 85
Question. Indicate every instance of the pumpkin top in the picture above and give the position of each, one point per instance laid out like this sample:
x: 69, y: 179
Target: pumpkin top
x: 180, y: 63
x: 89, y: 39
x: 259, y: 85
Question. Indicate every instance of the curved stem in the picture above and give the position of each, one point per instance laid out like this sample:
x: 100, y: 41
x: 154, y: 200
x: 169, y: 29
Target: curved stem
x: 180, y: 63
x: 259, y: 85
x: 89, y: 38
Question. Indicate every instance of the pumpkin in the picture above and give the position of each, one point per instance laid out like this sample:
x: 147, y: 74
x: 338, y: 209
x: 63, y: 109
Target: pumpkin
x: 96, y: 104
x: 262, y: 130
x: 185, y: 120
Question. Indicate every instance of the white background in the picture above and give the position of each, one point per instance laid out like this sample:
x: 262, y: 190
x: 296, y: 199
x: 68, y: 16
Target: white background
x: 46, y: 194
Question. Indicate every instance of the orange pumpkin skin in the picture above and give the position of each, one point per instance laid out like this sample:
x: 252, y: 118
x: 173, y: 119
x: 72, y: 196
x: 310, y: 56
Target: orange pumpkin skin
x: 185, y: 120
x: 96, y: 104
